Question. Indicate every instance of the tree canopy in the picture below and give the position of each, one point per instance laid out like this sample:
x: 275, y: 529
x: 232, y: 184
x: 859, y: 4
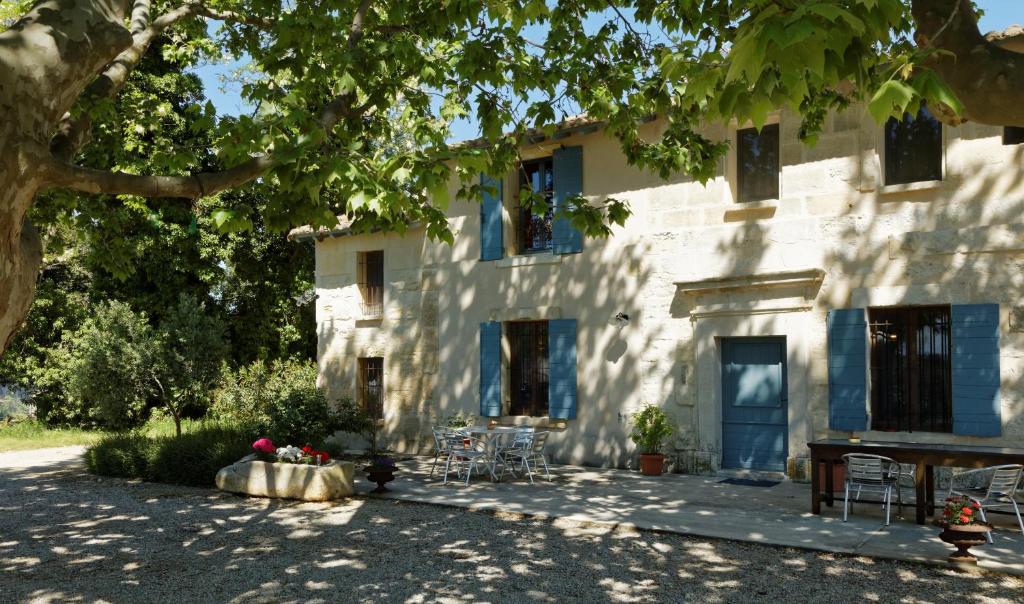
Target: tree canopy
x: 354, y: 100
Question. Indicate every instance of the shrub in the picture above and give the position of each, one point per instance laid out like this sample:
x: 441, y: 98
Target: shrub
x: 651, y: 426
x: 195, y: 457
x: 282, y: 401
x: 192, y: 458
x: 121, y: 455
x: 110, y: 367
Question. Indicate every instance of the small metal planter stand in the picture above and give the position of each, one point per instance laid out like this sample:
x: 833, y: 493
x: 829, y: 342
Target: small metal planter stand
x: 963, y: 537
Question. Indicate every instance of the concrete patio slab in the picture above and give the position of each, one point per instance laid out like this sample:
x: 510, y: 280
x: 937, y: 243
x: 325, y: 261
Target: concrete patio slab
x: 704, y: 506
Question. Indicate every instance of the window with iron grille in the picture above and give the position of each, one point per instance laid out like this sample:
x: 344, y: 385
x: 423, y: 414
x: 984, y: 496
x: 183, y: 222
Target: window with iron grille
x: 757, y: 163
x: 535, y: 231
x: 371, y: 386
x: 371, y: 283
x: 528, y: 367
x: 1013, y: 135
x: 911, y: 386
x: 913, y: 148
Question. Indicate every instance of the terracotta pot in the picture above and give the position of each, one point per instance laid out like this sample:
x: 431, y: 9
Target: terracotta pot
x: 651, y: 464
x: 381, y: 477
x: 963, y: 537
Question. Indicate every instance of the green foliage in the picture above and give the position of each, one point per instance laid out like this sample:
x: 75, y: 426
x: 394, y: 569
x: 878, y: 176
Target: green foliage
x: 459, y: 420
x: 121, y: 455
x: 281, y: 400
x: 192, y: 458
x: 26, y: 433
x: 110, y: 366
x: 190, y: 352
x: 651, y: 426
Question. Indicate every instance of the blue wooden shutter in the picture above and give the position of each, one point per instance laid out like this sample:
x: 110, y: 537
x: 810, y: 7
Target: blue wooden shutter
x: 490, y: 369
x: 568, y: 182
x: 491, y: 245
x: 976, y: 370
x: 847, y: 369
x: 562, y: 369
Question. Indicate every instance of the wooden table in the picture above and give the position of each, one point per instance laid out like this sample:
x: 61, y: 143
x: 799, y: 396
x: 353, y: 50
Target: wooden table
x: 925, y: 457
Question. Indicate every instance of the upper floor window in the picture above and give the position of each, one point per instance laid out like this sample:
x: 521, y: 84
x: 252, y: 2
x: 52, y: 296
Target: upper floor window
x: 534, y: 232
x: 757, y: 163
x: 371, y: 283
x: 528, y: 367
x: 913, y: 148
x: 371, y: 386
x: 1013, y: 135
x: 911, y: 384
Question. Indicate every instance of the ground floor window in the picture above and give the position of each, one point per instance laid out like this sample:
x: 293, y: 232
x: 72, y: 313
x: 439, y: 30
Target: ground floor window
x: 911, y: 386
x: 371, y: 386
x: 528, y: 367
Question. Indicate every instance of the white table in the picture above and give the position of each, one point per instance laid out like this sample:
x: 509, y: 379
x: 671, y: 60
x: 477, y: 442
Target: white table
x: 490, y: 437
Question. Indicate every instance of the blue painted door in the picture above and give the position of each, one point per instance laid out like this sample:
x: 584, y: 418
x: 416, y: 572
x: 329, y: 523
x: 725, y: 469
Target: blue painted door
x: 754, y: 404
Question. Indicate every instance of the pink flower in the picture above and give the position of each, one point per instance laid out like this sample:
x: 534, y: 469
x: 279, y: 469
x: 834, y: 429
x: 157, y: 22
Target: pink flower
x: 265, y: 445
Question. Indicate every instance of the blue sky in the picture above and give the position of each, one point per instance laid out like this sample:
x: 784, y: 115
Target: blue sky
x: 999, y: 14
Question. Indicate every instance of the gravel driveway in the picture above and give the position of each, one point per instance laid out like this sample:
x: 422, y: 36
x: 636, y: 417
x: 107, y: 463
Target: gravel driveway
x: 69, y: 536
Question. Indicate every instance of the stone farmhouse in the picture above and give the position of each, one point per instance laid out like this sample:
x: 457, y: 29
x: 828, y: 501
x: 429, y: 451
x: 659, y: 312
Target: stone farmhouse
x: 870, y: 284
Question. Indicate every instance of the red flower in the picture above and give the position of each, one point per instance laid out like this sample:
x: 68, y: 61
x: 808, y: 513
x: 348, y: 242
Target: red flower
x: 976, y: 505
x: 967, y: 511
x: 964, y: 519
x: 322, y: 456
x: 308, y: 450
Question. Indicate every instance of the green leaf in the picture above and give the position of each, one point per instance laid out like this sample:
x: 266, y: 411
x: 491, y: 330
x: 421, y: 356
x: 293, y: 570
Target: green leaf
x: 891, y: 99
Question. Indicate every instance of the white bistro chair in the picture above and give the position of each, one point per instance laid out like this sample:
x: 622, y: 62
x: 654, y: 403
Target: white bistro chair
x: 1000, y: 492
x: 467, y: 454
x: 872, y: 473
x: 526, y: 451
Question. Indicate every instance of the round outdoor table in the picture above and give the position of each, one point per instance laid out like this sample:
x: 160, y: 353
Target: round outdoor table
x: 490, y: 438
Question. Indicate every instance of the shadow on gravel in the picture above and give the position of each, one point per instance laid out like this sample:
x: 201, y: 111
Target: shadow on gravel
x: 69, y: 536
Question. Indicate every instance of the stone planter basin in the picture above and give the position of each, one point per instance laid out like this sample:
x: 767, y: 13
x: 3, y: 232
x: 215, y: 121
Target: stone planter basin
x: 288, y: 480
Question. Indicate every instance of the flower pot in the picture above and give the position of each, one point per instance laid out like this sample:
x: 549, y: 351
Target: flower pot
x: 380, y: 476
x: 651, y: 464
x: 963, y: 537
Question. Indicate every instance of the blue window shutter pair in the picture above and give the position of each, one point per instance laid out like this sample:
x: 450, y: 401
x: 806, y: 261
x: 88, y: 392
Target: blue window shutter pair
x: 567, y: 164
x: 491, y: 244
x: 562, y: 369
x: 490, y: 369
x: 847, y: 369
x: 975, y: 369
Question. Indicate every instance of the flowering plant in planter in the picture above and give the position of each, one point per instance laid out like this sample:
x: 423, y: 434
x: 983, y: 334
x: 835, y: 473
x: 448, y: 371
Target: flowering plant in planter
x: 267, y: 451
x: 381, y: 463
x: 961, y: 511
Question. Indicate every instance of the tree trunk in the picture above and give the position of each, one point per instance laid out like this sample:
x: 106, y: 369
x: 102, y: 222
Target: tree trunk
x: 177, y: 423
x: 46, y: 60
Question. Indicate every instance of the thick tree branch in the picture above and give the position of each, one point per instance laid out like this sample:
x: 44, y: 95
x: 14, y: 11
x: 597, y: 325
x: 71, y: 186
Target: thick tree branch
x: 1011, y: 38
x: 233, y: 17
x: 988, y: 79
x: 73, y: 133
x: 88, y: 180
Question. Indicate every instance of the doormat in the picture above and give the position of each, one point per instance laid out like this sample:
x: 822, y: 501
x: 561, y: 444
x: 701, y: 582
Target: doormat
x: 747, y: 482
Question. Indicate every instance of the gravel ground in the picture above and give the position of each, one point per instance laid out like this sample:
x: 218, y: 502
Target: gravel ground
x: 69, y: 536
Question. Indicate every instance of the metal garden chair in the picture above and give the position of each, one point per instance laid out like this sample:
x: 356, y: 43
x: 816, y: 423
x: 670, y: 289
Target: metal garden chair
x: 467, y: 453
x: 872, y: 473
x: 527, y: 453
x: 440, y: 446
x: 1000, y: 492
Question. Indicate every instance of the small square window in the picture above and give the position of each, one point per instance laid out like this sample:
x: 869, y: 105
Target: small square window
x: 757, y: 163
x: 371, y: 386
x: 371, y: 283
x: 913, y: 149
x: 1013, y: 135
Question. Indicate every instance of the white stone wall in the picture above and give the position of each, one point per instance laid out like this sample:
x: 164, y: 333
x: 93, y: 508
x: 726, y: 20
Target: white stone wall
x: 956, y: 241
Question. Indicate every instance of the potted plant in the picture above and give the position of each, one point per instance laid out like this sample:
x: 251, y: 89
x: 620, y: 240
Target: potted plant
x: 962, y: 528
x: 381, y: 470
x: 651, y: 426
